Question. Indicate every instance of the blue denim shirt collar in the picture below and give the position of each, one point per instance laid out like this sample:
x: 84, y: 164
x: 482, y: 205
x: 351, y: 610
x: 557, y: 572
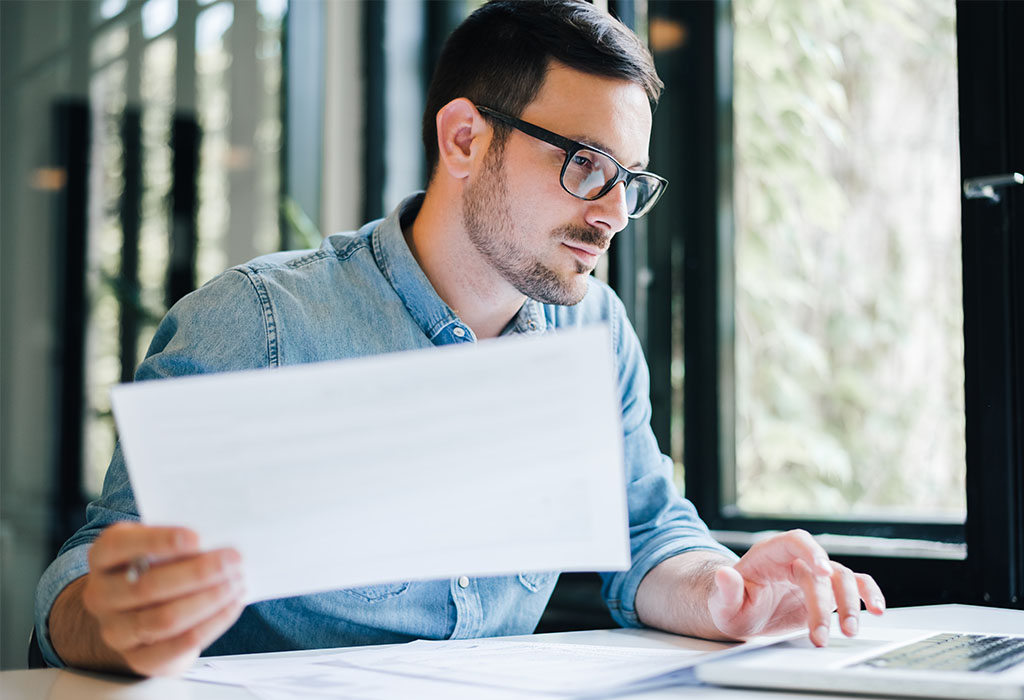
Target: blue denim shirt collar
x: 438, y: 321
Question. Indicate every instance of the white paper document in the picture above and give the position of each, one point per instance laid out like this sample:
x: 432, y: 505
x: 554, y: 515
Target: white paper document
x: 490, y: 458
x: 564, y: 670
x: 485, y: 669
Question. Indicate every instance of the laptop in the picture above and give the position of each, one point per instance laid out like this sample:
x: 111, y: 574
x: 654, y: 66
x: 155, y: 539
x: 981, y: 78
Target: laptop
x: 889, y: 662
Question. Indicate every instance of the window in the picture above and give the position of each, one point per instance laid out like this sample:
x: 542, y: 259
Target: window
x: 181, y: 184
x: 836, y: 342
x: 848, y: 323
x: 158, y: 180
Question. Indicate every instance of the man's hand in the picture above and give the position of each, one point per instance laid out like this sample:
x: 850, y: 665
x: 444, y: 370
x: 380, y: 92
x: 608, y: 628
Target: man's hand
x: 150, y: 603
x: 782, y: 583
x: 785, y: 582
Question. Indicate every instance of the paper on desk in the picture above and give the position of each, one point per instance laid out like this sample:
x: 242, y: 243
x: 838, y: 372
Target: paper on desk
x: 478, y: 459
x: 564, y: 670
x: 485, y: 669
x: 306, y: 677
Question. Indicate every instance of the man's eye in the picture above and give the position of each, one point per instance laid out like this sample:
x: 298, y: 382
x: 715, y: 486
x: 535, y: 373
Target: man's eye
x: 582, y: 161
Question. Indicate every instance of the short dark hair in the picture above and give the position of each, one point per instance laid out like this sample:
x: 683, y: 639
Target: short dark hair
x: 498, y: 57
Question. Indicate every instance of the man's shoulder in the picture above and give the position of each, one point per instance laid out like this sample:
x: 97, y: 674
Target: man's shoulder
x: 335, y: 248
x: 341, y: 261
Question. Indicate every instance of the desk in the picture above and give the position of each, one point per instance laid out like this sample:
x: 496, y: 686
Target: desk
x: 53, y: 684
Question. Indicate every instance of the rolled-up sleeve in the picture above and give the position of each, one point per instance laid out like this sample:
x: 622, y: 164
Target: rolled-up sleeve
x: 222, y: 326
x: 662, y: 523
x: 117, y: 503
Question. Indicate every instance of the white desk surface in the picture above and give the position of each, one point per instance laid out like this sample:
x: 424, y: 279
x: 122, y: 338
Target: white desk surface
x: 54, y: 684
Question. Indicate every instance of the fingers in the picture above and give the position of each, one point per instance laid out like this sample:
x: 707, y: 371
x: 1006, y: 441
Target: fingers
x: 795, y: 583
x: 796, y: 544
x: 175, y: 655
x: 124, y: 542
x: 847, y: 596
x: 160, y: 623
x: 167, y: 581
x: 818, y: 601
x: 870, y: 593
x: 729, y: 589
x: 850, y: 589
x: 161, y: 618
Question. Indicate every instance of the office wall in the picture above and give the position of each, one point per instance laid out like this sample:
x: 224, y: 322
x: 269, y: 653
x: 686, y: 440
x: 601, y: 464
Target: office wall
x: 30, y: 262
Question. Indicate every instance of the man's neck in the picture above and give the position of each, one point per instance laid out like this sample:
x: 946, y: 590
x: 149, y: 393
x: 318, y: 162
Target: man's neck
x: 459, y: 275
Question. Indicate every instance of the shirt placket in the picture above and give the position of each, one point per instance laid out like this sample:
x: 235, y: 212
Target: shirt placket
x: 468, y: 609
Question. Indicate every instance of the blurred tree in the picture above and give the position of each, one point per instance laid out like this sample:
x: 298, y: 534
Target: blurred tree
x: 849, y: 347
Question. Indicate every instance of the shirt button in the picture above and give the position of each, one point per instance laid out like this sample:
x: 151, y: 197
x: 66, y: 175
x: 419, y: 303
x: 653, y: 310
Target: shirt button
x: 459, y: 332
x: 463, y: 581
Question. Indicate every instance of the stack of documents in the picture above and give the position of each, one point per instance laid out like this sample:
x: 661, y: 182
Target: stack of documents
x: 485, y: 669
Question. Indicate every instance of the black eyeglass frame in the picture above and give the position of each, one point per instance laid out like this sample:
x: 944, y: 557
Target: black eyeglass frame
x: 571, y: 148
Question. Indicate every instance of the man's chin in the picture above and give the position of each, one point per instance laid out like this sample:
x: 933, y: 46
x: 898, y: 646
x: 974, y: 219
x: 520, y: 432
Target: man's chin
x: 570, y: 293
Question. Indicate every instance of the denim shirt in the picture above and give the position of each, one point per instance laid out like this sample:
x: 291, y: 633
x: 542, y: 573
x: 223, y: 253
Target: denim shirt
x: 363, y: 293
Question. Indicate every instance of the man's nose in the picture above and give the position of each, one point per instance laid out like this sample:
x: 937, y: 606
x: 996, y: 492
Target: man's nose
x: 609, y: 212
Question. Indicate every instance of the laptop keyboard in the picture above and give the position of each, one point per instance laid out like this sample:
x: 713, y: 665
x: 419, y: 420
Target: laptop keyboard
x: 954, y: 652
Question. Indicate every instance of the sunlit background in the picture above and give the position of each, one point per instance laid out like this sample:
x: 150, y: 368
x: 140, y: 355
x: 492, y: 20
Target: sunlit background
x: 849, y: 310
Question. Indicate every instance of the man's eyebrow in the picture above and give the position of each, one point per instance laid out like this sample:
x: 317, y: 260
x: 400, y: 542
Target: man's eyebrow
x: 594, y: 143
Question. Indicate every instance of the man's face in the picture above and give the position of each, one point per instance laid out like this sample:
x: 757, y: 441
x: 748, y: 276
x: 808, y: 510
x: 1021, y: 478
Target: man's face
x: 540, y: 239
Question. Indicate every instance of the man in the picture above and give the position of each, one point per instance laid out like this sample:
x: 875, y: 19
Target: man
x: 532, y: 110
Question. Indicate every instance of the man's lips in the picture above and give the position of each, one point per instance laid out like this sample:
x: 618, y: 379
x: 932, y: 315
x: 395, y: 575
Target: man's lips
x: 586, y: 252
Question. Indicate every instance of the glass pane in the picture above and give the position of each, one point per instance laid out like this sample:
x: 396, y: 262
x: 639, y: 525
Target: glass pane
x: 213, y: 99
x: 238, y: 84
x: 238, y: 65
x: 849, y: 324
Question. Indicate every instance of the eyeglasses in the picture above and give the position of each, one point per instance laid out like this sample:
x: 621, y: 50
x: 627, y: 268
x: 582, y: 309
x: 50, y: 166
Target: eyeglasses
x: 590, y: 173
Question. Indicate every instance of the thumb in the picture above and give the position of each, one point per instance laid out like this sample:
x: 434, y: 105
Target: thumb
x: 727, y: 597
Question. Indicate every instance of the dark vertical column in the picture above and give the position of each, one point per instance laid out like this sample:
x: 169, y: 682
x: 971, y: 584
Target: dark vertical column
x: 992, y: 240
x: 1012, y: 30
x: 374, y: 167
x: 71, y: 142
x: 71, y: 122
x: 624, y: 257
x: 131, y: 203
x: 441, y: 18
x: 688, y: 125
x: 131, y: 206
x: 185, y: 139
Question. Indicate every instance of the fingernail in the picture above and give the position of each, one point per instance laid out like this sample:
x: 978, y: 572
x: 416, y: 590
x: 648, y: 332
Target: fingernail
x: 851, y: 625
x: 823, y: 566
x: 878, y: 603
x: 820, y: 635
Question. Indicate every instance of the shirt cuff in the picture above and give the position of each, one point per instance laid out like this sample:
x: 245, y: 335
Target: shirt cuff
x: 70, y: 565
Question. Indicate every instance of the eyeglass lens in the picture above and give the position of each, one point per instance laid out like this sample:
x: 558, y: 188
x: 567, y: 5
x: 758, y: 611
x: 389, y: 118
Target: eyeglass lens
x: 589, y: 173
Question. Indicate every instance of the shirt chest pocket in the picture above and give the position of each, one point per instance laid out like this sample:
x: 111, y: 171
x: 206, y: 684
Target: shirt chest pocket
x: 535, y: 581
x: 379, y: 592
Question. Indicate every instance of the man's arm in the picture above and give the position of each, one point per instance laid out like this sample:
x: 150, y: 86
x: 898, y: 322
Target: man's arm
x: 673, y: 596
x: 783, y: 583
x: 157, y: 622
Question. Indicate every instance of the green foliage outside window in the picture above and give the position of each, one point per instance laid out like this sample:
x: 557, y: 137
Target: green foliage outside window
x: 849, y: 323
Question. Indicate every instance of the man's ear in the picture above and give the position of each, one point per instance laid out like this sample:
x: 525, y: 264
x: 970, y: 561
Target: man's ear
x: 462, y: 137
